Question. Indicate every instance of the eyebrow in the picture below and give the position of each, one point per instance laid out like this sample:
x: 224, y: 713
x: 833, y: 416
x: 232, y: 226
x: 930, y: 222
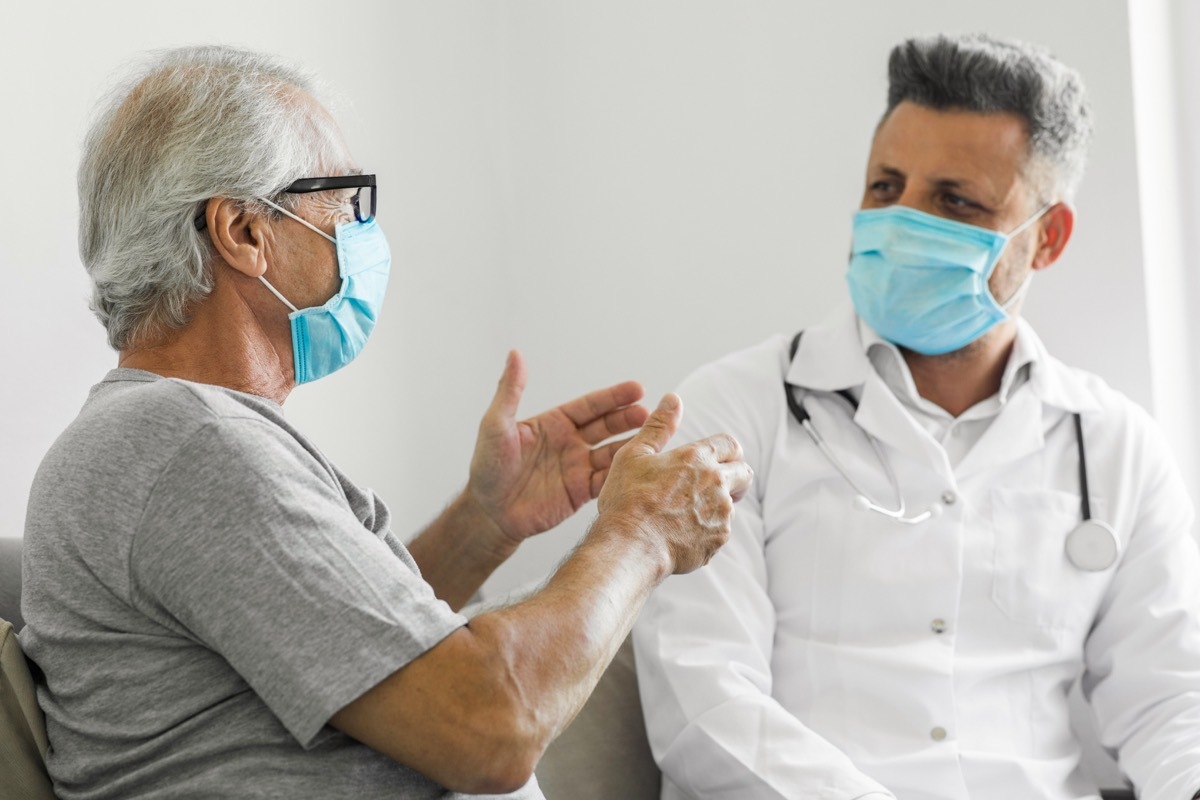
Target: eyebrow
x: 941, y: 183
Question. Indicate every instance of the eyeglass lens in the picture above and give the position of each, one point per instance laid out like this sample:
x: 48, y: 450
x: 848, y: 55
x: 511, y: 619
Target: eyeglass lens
x: 364, y: 203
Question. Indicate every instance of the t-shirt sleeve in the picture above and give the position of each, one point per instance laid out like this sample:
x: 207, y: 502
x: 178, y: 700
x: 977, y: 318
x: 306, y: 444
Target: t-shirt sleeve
x: 248, y: 546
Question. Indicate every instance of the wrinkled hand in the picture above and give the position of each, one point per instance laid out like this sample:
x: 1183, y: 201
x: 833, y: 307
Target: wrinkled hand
x: 529, y: 476
x: 681, y: 500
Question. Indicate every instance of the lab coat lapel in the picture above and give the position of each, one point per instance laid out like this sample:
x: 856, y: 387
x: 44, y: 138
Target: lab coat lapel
x: 831, y: 357
x: 881, y: 414
x: 1015, y: 433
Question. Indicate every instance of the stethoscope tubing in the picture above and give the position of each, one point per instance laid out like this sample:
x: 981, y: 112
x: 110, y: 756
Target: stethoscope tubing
x: 1092, y: 546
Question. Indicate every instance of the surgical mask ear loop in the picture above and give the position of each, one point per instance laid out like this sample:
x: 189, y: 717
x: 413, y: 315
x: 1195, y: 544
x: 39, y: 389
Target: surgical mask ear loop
x: 1036, y: 216
x: 275, y: 292
x: 1015, y: 297
x: 306, y: 224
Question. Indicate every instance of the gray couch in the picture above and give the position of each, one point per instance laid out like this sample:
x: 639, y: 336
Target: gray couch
x: 10, y: 582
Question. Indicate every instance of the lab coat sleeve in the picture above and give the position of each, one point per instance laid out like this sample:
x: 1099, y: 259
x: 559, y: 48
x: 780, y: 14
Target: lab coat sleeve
x: 1142, y: 673
x: 703, y: 642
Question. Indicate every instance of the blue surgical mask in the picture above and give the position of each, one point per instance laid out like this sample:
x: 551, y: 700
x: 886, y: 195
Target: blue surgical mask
x: 328, y: 337
x: 921, y: 281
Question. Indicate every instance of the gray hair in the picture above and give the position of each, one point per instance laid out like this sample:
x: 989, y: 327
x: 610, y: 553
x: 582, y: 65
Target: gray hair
x: 196, y: 123
x: 983, y: 74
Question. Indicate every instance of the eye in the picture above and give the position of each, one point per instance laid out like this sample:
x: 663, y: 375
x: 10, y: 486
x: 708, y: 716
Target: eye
x: 884, y: 189
x: 959, y: 205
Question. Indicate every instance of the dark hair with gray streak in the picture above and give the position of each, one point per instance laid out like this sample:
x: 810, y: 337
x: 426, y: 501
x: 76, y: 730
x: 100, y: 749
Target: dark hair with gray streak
x: 983, y: 74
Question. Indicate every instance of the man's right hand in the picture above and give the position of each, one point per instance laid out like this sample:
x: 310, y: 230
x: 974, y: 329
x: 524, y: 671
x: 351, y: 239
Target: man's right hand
x: 680, y: 501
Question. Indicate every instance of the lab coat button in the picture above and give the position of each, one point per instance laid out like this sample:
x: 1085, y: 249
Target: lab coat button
x: 938, y: 626
x: 948, y: 498
x: 938, y: 734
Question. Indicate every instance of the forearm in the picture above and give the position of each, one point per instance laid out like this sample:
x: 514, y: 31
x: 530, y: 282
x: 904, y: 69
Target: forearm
x: 476, y: 711
x: 459, y: 550
x: 491, y: 696
x: 554, y: 646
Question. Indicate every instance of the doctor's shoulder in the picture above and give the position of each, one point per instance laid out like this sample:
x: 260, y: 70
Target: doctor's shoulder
x: 1120, y: 429
x: 1111, y: 405
x: 740, y: 394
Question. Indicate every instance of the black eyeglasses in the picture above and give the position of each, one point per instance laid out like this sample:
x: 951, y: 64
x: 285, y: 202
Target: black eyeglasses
x: 364, y: 200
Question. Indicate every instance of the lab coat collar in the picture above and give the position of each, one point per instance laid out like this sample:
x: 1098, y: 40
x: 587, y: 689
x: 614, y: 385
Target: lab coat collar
x: 832, y: 356
x: 1053, y: 382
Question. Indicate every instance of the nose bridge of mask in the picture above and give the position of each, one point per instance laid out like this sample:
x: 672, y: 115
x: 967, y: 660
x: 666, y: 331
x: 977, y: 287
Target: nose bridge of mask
x: 360, y: 246
x: 932, y: 240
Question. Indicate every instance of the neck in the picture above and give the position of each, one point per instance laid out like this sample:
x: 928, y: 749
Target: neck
x: 956, y: 381
x: 226, y: 343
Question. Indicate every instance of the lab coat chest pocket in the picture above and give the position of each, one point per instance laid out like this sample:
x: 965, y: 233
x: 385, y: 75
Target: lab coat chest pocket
x: 1034, y: 582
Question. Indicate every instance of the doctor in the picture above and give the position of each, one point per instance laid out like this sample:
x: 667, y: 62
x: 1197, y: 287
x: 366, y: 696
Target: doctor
x: 949, y: 526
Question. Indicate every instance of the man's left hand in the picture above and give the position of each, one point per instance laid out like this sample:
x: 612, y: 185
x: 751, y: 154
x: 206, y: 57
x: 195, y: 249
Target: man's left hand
x: 529, y: 476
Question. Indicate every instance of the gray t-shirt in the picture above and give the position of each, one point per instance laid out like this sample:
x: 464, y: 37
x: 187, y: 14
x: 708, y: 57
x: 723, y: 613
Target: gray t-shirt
x: 203, y: 590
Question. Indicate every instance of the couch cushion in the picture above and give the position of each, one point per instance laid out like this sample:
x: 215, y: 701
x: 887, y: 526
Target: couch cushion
x: 10, y: 581
x: 604, y: 753
x: 22, y: 727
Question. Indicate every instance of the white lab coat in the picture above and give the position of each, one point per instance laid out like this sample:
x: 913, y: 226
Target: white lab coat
x: 829, y: 652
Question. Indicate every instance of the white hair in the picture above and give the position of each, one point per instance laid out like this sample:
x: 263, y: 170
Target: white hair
x: 196, y: 123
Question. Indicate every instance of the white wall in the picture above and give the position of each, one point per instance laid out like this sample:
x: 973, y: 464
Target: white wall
x: 620, y: 189
x: 695, y: 164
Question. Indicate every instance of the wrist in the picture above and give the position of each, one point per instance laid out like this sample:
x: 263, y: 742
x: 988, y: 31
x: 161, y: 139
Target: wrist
x: 486, y: 534
x: 627, y: 531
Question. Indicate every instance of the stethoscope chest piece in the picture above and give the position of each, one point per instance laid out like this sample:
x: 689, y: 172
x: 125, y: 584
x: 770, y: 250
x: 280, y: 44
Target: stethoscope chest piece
x: 1093, y: 546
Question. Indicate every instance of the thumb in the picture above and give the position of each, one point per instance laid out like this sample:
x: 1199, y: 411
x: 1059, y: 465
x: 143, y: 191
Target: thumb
x: 659, y: 428
x: 510, y: 388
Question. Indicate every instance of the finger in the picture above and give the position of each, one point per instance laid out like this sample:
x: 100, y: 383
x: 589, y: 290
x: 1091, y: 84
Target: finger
x: 510, y: 388
x: 723, y: 446
x: 595, y: 405
x: 614, y: 423
x: 602, y: 456
x: 659, y: 427
x: 598, y: 479
x: 737, y: 478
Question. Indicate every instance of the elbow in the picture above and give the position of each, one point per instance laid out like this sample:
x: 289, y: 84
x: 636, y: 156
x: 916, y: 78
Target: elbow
x: 502, y: 779
x: 508, y: 724
x: 509, y: 735
x: 479, y: 760
x: 502, y: 753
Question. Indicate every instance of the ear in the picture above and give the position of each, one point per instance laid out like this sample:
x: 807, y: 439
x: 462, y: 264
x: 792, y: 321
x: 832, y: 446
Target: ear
x: 240, y: 238
x: 1054, y: 231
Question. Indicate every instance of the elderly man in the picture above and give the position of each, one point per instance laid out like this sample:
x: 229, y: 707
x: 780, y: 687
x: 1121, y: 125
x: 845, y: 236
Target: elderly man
x: 949, y: 527
x: 216, y: 609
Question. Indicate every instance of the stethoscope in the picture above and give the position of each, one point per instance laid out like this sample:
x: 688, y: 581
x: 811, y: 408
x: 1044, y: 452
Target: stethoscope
x: 1093, y: 545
